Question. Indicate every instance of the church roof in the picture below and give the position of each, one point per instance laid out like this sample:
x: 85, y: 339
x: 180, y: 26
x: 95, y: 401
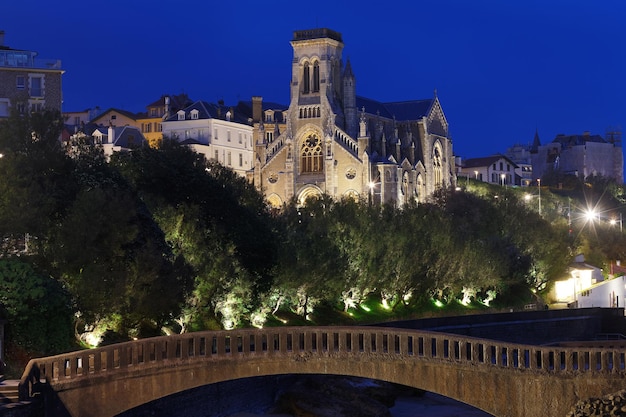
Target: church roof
x: 400, y: 110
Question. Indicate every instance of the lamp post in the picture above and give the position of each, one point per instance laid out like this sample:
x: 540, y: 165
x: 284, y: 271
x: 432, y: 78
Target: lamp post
x: 503, y: 178
x: 613, y: 221
x: 371, y: 185
x: 476, y: 175
x: 539, y: 187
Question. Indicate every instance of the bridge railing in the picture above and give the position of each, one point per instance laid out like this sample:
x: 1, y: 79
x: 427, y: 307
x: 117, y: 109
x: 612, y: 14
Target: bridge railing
x: 320, y: 341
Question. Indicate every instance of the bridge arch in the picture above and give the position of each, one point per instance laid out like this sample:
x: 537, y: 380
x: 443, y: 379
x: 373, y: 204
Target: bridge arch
x: 502, y: 379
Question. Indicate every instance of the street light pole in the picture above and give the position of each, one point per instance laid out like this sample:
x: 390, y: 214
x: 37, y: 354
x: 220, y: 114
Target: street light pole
x: 539, y: 187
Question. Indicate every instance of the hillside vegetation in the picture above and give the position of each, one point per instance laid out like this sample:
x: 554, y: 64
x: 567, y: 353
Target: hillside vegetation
x: 160, y: 240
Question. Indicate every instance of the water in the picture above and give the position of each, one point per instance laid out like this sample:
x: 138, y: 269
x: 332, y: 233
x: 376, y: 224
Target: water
x: 428, y: 405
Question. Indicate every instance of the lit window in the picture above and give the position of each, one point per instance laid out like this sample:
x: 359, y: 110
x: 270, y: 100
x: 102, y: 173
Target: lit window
x: 437, y: 166
x: 311, y: 154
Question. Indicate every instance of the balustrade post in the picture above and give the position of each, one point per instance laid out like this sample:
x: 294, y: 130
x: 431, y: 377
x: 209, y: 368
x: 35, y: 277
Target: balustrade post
x: 308, y: 341
x: 245, y: 341
x: 474, y: 356
x: 439, y: 347
x: 569, y: 360
x: 605, y: 361
x: 282, y: 342
x: 71, y: 370
x: 379, y: 342
x: 533, y: 358
x: 123, y: 355
x: 343, y: 342
x: 404, y: 345
x: 367, y: 342
x: 582, y: 363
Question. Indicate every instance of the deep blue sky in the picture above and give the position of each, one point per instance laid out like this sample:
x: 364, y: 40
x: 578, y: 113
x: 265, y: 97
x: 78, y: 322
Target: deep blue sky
x: 501, y: 68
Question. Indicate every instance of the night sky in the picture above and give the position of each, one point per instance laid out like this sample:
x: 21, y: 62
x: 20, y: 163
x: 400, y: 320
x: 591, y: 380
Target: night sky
x: 502, y: 68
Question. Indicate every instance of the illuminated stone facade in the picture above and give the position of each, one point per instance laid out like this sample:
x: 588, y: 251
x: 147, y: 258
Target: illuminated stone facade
x: 337, y: 143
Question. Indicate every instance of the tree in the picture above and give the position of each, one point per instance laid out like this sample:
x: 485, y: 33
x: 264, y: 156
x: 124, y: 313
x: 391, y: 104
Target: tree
x: 38, y: 311
x: 35, y: 173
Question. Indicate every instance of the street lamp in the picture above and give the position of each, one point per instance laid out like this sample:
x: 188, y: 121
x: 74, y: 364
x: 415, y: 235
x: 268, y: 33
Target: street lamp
x: 503, y: 178
x: 476, y: 175
x: 613, y: 221
x: 539, y: 187
x: 371, y: 185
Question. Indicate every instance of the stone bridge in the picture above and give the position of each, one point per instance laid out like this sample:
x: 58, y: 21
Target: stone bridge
x: 503, y: 379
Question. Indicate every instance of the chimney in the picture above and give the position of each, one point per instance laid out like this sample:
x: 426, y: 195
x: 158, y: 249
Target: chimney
x: 167, y: 108
x: 111, y: 135
x: 257, y: 108
x: 1, y: 37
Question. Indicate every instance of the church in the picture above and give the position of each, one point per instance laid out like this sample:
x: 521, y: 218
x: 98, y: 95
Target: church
x: 332, y: 141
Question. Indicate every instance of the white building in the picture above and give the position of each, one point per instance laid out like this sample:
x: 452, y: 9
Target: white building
x: 610, y: 293
x: 215, y: 131
x: 494, y: 169
x: 574, y: 289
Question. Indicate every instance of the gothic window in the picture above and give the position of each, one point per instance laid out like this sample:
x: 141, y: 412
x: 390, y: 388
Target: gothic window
x: 311, y: 154
x: 306, y: 79
x: 437, y: 166
x: 405, y: 186
x: 420, y: 189
x: 316, y: 77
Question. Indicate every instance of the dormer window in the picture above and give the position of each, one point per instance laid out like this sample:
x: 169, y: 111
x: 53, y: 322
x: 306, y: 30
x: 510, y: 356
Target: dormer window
x: 181, y: 115
x: 194, y: 114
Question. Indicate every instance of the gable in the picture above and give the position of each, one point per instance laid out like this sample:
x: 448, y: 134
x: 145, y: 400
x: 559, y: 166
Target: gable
x: 437, y: 123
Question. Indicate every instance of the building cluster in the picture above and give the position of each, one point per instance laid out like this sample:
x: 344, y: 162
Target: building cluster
x: 581, y: 155
x: 326, y: 140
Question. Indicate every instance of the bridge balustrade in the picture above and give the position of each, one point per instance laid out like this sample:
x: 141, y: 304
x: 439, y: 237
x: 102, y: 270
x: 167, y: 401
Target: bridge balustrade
x: 294, y: 342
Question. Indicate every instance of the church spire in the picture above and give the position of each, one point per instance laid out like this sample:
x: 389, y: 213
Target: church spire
x: 536, y: 142
x: 347, y: 72
x: 349, y: 101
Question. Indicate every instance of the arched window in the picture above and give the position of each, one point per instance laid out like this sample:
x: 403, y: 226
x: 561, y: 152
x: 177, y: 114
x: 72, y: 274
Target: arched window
x: 311, y: 156
x: 316, y: 77
x: 306, y: 79
x: 420, y: 189
x: 437, y: 166
x: 405, y: 187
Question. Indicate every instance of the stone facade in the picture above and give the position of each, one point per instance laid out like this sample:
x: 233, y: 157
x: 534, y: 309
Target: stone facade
x: 580, y: 155
x: 28, y: 83
x: 337, y: 143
